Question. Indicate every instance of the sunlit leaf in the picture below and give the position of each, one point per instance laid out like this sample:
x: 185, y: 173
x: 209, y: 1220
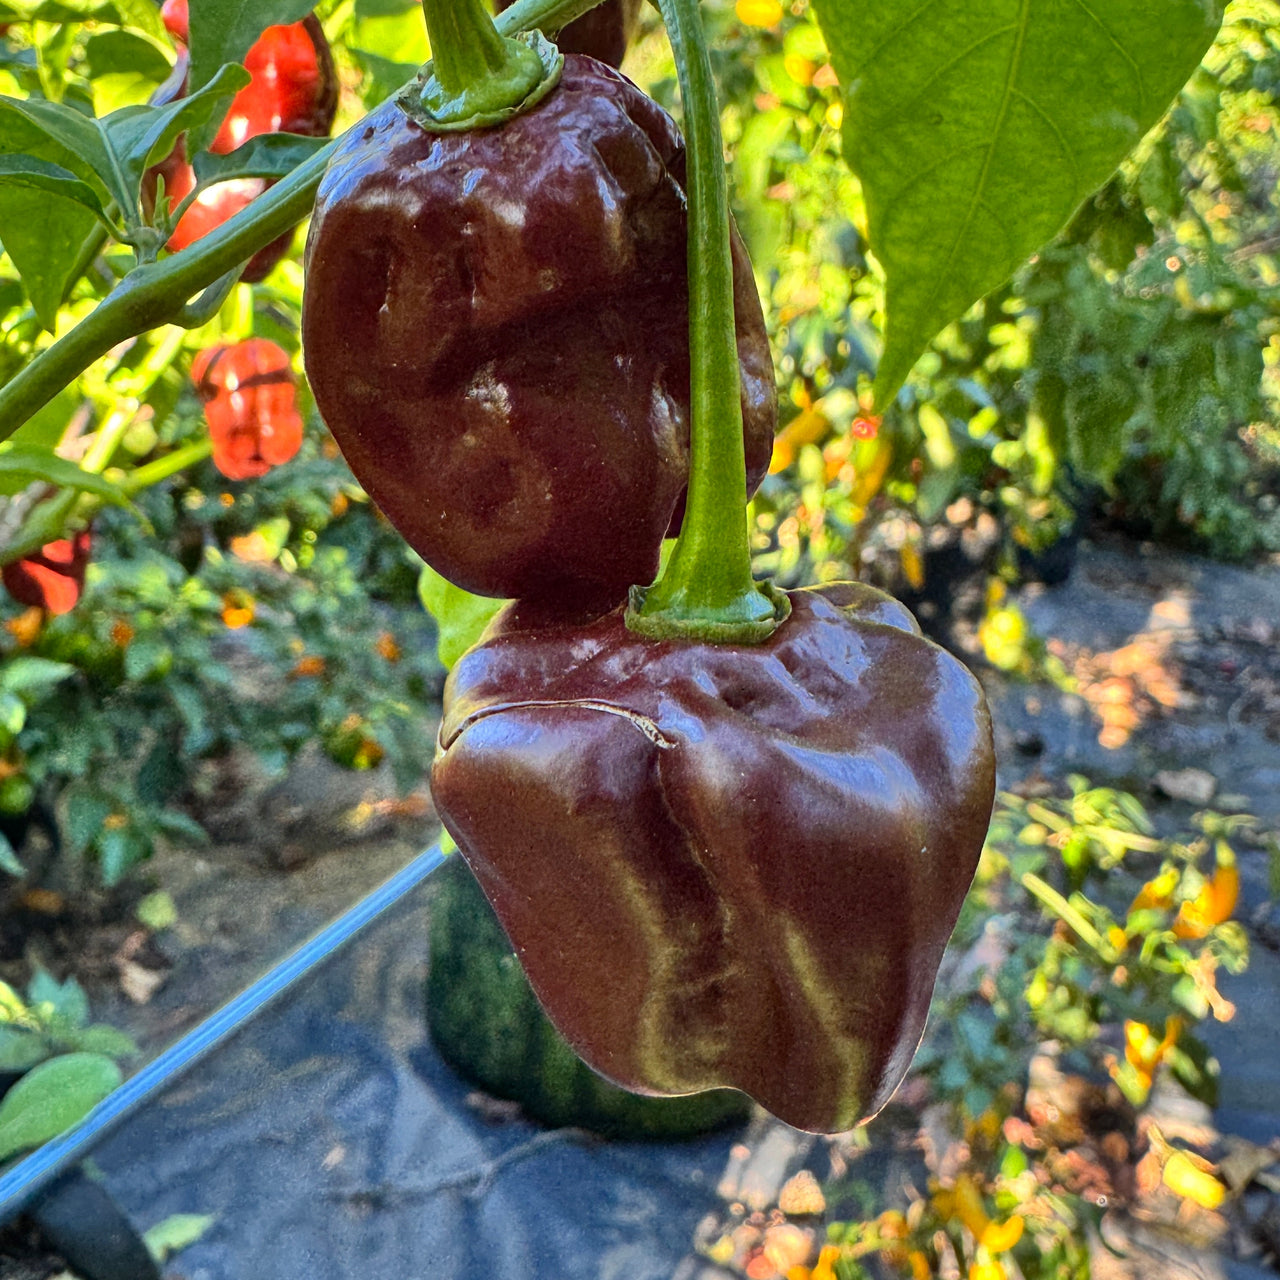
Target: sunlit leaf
x: 978, y: 127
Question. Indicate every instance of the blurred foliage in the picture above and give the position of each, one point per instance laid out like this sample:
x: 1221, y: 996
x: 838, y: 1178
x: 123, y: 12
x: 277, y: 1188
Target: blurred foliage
x: 1130, y: 368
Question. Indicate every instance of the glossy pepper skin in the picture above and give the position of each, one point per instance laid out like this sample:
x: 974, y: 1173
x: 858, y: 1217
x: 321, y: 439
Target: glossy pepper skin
x: 495, y: 326
x: 53, y: 578
x: 293, y: 89
x: 248, y: 389
x: 602, y: 33
x: 725, y: 865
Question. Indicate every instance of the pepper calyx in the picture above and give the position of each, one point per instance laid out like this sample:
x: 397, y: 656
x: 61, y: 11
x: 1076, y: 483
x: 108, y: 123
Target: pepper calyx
x: 750, y: 619
x: 533, y: 70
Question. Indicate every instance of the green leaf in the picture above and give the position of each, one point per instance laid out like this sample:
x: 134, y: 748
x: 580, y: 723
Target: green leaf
x: 103, y: 1039
x: 460, y: 617
x: 177, y: 1232
x: 119, y: 849
x: 28, y: 464
x: 223, y: 31
x: 146, y: 656
x: 44, y: 175
x: 978, y: 127
x: 20, y: 1049
x: 24, y: 673
x: 52, y: 1097
x: 125, y: 67
x: 43, y: 234
x: 13, y: 713
x: 269, y: 155
x: 66, y: 999
x: 139, y: 137
x: 86, y: 812
x: 157, y: 911
x: 9, y: 859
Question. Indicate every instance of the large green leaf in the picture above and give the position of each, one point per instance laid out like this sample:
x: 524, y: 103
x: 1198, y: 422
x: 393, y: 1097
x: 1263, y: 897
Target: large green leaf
x: 460, y: 617
x: 977, y: 127
x: 43, y: 234
x: 44, y: 175
x: 26, y: 465
x: 268, y: 155
x: 52, y: 1097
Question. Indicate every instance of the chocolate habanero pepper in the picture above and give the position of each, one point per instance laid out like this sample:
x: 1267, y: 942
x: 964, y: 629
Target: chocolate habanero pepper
x: 604, y: 32
x: 723, y: 864
x: 495, y: 327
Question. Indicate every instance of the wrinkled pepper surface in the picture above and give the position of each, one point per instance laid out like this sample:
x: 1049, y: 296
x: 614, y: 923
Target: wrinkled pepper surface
x: 725, y: 865
x: 602, y: 33
x: 495, y: 326
x: 248, y: 389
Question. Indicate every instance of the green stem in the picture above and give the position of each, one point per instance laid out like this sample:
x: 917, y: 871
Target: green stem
x: 1060, y: 907
x: 156, y: 294
x: 478, y: 77
x: 170, y: 465
x: 465, y: 45
x: 707, y: 591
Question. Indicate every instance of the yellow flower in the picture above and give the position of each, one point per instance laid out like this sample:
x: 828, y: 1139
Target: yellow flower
x: 998, y: 1237
x: 1186, y: 1179
x: 1213, y: 904
x: 759, y: 13
x: 988, y: 1270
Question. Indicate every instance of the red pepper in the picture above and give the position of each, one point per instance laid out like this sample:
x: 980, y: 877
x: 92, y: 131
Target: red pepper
x: 293, y: 89
x: 51, y: 579
x: 725, y: 865
x: 248, y: 391
x: 293, y: 86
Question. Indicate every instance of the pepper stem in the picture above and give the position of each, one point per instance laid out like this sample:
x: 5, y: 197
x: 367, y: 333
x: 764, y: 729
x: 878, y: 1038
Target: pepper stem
x: 477, y: 77
x: 706, y: 592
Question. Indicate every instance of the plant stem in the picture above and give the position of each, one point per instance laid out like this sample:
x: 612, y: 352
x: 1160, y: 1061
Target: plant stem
x: 162, y: 468
x: 478, y: 77
x: 465, y: 45
x: 707, y: 591
x: 156, y: 294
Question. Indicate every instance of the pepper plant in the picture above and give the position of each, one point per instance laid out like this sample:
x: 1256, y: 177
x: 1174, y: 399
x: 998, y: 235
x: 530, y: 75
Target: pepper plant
x: 813, y: 754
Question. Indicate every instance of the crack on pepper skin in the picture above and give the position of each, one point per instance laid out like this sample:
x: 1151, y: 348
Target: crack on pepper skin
x: 806, y: 847
x: 643, y: 723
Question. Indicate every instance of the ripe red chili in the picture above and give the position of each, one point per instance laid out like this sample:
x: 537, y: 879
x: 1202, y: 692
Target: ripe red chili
x: 53, y: 578
x: 725, y: 864
x: 603, y: 33
x: 248, y: 390
x: 293, y: 89
x: 495, y: 326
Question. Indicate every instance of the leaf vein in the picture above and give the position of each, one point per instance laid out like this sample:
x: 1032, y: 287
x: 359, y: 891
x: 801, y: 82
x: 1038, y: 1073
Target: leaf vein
x: 905, y: 25
x: 1123, y: 52
x: 939, y: 72
x: 1065, y: 146
x: 962, y: 231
